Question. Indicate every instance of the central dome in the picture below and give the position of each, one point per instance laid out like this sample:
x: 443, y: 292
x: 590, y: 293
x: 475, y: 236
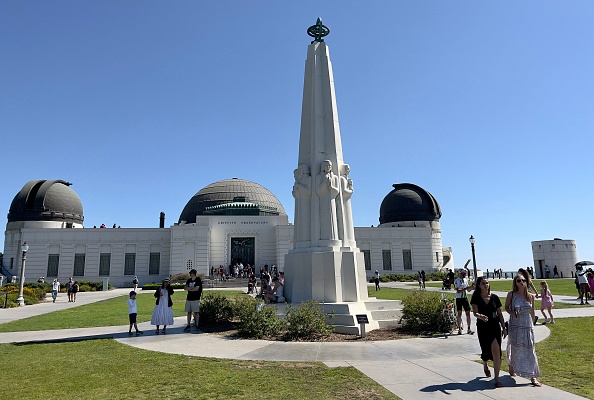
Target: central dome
x: 232, y: 197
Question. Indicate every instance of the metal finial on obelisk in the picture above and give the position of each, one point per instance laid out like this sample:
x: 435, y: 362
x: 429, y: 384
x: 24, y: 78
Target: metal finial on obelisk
x: 318, y: 31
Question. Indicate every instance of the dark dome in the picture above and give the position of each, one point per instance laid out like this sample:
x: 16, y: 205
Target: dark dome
x: 232, y: 197
x: 408, y: 202
x: 46, y: 200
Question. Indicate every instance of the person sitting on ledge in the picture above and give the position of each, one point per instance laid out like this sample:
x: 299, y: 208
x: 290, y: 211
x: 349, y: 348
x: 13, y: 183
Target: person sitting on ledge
x: 274, y: 294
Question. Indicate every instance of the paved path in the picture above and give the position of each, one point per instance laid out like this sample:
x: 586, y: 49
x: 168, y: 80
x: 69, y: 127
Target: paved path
x: 443, y: 367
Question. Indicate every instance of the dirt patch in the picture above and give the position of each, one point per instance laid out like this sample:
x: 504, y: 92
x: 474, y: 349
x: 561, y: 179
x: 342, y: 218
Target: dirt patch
x: 230, y: 330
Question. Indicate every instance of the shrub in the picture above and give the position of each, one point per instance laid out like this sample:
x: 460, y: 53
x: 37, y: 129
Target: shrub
x: 307, y: 321
x: 433, y: 276
x: 257, y: 321
x: 155, y: 286
x: 214, y: 308
x: 426, y: 312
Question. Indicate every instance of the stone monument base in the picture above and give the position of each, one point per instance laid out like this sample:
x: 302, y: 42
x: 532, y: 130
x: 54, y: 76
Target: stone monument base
x: 334, y: 278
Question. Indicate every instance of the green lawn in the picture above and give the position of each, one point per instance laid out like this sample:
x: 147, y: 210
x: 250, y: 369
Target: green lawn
x: 111, y: 312
x: 106, y: 369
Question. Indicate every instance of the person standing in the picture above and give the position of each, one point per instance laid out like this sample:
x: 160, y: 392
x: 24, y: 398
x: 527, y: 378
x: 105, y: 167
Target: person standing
x: 555, y: 272
x: 462, y: 289
x: 486, y: 307
x: 583, y: 282
x: 55, y: 288
x: 521, y: 355
x: 376, y: 279
x: 132, y: 313
x: 135, y: 283
x: 163, y: 311
x: 423, y: 278
x: 75, y: 289
x: 69, y: 289
x: 194, y: 289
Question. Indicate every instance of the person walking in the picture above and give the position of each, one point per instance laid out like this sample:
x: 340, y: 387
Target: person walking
x: 547, y: 302
x: 194, y: 289
x: 462, y: 287
x: 376, y: 280
x: 69, y: 285
x: 55, y: 288
x: 135, y: 283
x: 423, y: 278
x: 163, y: 311
x: 529, y: 285
x: 520, y: 352
x: 486, y: 307
x: 132, y: 313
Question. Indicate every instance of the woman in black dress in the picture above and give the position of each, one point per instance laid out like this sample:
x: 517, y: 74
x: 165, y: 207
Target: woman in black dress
x: 489, y: 324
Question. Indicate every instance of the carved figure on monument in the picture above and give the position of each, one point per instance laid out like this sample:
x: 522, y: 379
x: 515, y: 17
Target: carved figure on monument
x: 346, y: 186
x: 302, y: 195
x: 328, y: 189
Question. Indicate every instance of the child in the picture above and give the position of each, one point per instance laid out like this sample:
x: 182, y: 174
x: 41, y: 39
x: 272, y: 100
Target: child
x: 132, y: 311
x: 547, y: 302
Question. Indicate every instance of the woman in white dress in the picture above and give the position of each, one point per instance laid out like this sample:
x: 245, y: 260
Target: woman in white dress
x: 163, y: 311
x: 521, y: 355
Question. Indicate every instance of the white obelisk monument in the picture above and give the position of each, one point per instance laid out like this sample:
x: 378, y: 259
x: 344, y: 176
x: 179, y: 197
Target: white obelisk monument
x: 325, y: 264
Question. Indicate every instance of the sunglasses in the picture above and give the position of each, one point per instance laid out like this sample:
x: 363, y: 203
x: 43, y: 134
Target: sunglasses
x: 520, y: 280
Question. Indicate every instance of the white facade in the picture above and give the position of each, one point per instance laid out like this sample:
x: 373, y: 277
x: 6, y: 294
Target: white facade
x: 404, y: 249
x: 207, y: 243
x: 551, y: 253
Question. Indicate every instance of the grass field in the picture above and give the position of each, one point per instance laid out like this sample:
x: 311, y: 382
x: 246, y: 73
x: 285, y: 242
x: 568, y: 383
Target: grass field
x: 106, y: 369
x: 109, y: 312
x: 564, y: 357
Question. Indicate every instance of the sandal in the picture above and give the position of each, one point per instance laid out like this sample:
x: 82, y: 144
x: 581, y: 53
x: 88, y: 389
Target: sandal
x: 487, y: 372
x: 535, y: 383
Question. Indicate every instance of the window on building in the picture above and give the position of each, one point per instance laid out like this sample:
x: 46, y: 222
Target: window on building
x: 407, y: 259
x: 79, y: 264
x: 130, y: 264
x: 11, y: 262
x: 387, y: 260
x: 367, y: 257
x: 437, y: 256
x: 53, y: 260
x: 104, y: 264
x: 154, y: 263
x: 189, y: 265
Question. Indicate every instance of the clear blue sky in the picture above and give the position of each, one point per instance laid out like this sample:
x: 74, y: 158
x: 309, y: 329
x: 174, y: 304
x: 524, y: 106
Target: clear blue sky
x: 140, y: 104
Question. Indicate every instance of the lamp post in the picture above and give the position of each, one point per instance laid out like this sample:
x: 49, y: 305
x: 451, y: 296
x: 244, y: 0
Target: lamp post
x: 473, y: 256
x: 21, y: 299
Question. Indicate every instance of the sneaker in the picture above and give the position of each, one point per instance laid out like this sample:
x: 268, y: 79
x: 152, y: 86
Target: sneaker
x: 459, y: 331
x: 535, y: 319
x: 545, y: 322
x: 187, y: 328
x: 552, y: 322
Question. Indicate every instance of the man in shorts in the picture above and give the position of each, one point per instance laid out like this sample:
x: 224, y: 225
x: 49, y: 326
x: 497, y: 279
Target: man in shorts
x: 462, y: 288
x: 194, y: 289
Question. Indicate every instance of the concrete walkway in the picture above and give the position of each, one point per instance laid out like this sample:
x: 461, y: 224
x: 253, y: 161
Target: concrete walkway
x: 442, y: 367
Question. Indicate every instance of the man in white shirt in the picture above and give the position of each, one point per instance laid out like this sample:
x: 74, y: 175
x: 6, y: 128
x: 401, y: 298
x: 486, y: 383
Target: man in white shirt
x: 462, y: 287
x: 55, y: 289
